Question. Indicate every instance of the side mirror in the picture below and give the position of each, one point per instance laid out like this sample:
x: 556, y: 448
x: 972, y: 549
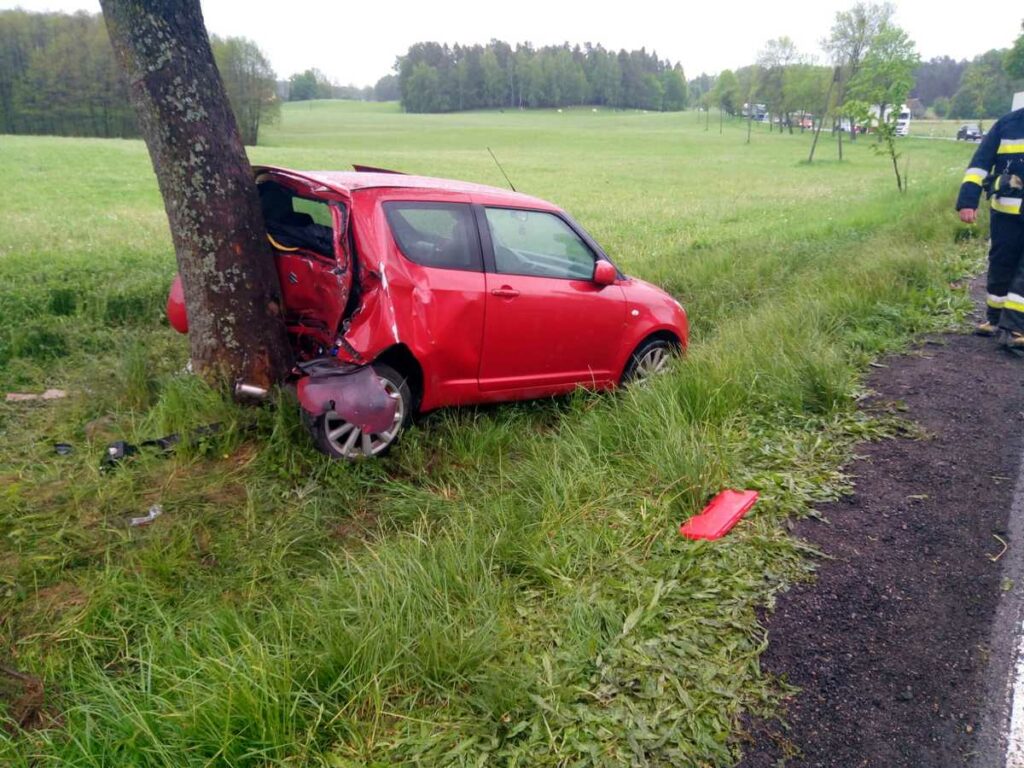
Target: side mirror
x: 605, y: 273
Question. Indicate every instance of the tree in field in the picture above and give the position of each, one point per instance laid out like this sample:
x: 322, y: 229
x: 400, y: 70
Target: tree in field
x: 749, y: 79
x: 806, y: 90
x: 849, y: 42
x: 250, y: 83
x: 232, y: 294
x: 727, y: 92
x: 940, y: 107
x: 311, y: 84
x: 1014, y: 63
x: 882, y: 84
x: 774, y: 59
x: 386, y: 89
x: 886, y: 74
x: 726, y: 95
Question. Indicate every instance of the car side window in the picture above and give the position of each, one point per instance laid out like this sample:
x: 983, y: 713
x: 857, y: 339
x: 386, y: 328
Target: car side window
x: 538, y: 243
x: 441, y: 235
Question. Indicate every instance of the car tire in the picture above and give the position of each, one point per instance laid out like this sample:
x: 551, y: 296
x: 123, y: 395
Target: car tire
x: 341, y: 440
x: 651, y: 358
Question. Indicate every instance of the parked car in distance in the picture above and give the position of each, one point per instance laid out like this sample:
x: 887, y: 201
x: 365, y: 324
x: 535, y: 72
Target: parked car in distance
x: 969, y: 132
x: 454, y: 294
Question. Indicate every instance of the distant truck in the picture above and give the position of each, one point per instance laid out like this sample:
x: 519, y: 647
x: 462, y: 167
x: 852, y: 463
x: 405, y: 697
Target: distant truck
x: 903, y: 121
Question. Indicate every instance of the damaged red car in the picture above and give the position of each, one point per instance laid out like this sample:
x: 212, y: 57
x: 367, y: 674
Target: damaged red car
x: 404, y: 294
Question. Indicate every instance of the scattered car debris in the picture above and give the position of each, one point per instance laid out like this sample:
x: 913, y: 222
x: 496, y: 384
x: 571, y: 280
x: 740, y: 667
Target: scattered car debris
x: 1006, y: 546
x: 63, y: 449
x: 154, y: 512
x: 718, y: 517
x: 119, y: 450
x: 22, y: 397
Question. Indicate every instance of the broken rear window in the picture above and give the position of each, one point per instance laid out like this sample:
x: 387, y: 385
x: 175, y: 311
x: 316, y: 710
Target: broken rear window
x: 439, y: 235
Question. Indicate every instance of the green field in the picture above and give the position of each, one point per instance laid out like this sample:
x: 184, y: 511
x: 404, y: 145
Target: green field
x: 509, y: 587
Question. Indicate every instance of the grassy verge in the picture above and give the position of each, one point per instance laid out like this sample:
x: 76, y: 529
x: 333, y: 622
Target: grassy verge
x: 510, y: 587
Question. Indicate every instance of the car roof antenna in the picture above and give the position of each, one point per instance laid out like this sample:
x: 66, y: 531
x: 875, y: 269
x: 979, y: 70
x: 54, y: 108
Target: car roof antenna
x: 502, y: 170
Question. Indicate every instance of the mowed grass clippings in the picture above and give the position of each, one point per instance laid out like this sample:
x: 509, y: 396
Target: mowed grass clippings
x: 509, y: 587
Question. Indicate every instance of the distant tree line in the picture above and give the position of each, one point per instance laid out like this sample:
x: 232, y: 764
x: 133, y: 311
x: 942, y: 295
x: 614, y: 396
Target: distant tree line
x: 982, y: 87
x: 314, y: 84
x: 58, y: 76
x: 438, y: 78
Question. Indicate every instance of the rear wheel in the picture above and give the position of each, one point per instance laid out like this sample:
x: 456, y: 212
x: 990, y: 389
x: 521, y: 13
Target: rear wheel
x: 650, y: 359
x: 341, y: 439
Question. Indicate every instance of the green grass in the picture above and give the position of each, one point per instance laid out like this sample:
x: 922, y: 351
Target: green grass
x: 509, y: 588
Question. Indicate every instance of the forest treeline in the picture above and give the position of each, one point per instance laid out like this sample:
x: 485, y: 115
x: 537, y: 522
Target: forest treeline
x: 58, y: 76
x: 438, y: 78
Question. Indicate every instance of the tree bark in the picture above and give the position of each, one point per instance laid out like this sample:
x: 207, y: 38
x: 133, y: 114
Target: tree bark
x: 232, y: 293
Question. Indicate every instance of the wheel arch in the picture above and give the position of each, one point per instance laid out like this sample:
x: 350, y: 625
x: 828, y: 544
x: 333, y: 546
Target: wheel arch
x: 401, y: 358
x: 663, y: 334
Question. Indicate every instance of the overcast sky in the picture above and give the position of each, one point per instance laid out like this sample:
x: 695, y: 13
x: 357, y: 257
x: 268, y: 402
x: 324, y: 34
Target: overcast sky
x: 357, y: 43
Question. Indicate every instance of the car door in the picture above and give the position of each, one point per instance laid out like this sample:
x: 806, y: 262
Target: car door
x: 547, y: 324
x: 438, y: 289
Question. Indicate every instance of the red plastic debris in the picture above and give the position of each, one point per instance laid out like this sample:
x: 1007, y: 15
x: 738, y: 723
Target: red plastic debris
x: 724, y: 511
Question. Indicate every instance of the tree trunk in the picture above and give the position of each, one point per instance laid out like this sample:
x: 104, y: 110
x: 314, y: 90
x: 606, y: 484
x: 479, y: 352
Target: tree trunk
x: 232, y: 294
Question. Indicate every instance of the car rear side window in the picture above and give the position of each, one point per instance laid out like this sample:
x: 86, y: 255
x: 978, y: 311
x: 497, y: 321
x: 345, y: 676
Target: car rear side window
x: 538, y: 243
x: 439, y: 235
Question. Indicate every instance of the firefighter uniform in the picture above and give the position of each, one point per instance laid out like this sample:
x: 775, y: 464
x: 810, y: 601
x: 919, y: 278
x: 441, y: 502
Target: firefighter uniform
x: 999, y: 162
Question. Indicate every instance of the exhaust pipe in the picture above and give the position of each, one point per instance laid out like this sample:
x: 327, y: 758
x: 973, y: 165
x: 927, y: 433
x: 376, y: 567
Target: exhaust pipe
x: 250, y: 391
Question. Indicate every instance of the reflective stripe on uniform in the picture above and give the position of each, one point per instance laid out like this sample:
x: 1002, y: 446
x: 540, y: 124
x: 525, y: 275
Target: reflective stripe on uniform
x: 996, y: 302
x: 1011, y: 147
x: 1014, y: 301
x: 1006, y: 204
x: 280, y: 247
x: 975, y: 176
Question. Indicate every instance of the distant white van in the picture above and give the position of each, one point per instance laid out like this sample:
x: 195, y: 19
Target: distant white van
x: 1018, y: 101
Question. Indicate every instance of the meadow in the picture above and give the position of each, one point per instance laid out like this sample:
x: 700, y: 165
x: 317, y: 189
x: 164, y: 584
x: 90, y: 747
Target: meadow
x: 509, y: 587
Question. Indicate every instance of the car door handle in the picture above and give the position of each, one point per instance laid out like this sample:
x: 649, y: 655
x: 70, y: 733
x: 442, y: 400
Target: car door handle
x: 505, y: 292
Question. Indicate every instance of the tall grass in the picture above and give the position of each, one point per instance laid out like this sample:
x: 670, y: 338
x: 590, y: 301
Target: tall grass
x: 509, y: 588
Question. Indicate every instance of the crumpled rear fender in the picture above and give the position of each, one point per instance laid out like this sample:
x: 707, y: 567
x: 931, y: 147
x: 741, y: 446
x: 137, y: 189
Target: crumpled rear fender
x: 355, y: 393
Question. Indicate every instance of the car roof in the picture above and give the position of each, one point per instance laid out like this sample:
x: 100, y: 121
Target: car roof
x: 348, y: 182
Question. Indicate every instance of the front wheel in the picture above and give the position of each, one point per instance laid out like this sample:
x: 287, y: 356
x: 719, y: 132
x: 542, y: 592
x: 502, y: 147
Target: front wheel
x: 341, y: 439
x: 650, y: 359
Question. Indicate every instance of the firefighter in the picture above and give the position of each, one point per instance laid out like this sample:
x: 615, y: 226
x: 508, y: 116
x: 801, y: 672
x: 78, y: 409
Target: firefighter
x: 998, y: 168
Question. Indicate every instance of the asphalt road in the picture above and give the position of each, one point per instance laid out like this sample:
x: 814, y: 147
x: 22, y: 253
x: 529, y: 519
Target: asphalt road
x: 907, y: 649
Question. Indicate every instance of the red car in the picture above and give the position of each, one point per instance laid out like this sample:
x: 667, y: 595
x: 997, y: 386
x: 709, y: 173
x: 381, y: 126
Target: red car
x: 405, y: 293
